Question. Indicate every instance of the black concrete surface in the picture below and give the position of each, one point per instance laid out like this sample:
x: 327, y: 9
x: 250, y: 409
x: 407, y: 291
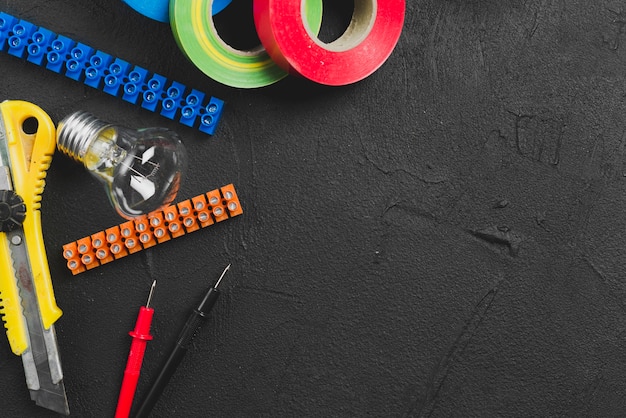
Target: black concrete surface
x: 444, y: 238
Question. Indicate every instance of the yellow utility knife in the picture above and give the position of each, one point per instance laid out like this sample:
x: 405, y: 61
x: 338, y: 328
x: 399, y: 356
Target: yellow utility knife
x: 28, y: 307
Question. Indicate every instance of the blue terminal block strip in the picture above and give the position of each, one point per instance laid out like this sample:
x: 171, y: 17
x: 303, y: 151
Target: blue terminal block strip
x: 112, y: 75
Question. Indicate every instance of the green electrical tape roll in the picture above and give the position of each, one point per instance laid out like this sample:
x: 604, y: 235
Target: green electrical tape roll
x: 195, y: 33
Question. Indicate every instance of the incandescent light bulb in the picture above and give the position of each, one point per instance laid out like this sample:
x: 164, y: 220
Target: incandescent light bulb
x: 141, y: 169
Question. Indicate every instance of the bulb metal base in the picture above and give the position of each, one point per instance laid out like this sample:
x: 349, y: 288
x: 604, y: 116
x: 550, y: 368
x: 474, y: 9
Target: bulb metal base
x: 76, y: 132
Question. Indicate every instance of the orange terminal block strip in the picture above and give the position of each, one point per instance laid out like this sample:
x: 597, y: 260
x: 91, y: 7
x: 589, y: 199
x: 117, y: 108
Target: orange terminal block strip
x: 154, y: 228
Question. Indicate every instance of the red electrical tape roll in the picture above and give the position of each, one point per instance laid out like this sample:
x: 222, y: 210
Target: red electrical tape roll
x: 366, y: 44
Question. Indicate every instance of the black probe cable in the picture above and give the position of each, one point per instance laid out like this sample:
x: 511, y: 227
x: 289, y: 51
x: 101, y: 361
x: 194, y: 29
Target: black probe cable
x: 196, y: 318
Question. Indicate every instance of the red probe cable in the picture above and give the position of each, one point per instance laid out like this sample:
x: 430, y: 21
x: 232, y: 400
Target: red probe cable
x: 141, y: 336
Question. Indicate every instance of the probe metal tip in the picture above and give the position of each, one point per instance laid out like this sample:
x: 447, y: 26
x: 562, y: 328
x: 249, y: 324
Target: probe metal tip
x: 221, y: 277
x: 150, y: 295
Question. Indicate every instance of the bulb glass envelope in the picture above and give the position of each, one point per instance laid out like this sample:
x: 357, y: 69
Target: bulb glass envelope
x: 141, y: 169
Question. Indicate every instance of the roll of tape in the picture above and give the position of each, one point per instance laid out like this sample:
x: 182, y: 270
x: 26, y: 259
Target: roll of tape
x: 197, y: 37
x: 365, y: 45
x: 160, y: 9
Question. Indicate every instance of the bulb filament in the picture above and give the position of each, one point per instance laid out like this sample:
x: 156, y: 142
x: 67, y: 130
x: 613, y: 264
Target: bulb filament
x: 155, y: 167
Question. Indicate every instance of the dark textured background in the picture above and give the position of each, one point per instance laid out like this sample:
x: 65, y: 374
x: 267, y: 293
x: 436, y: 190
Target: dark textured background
x: 443, y: 238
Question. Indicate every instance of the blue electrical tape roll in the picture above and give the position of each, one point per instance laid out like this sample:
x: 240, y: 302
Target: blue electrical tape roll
x: 112, y: 75
x: 159, y: 9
